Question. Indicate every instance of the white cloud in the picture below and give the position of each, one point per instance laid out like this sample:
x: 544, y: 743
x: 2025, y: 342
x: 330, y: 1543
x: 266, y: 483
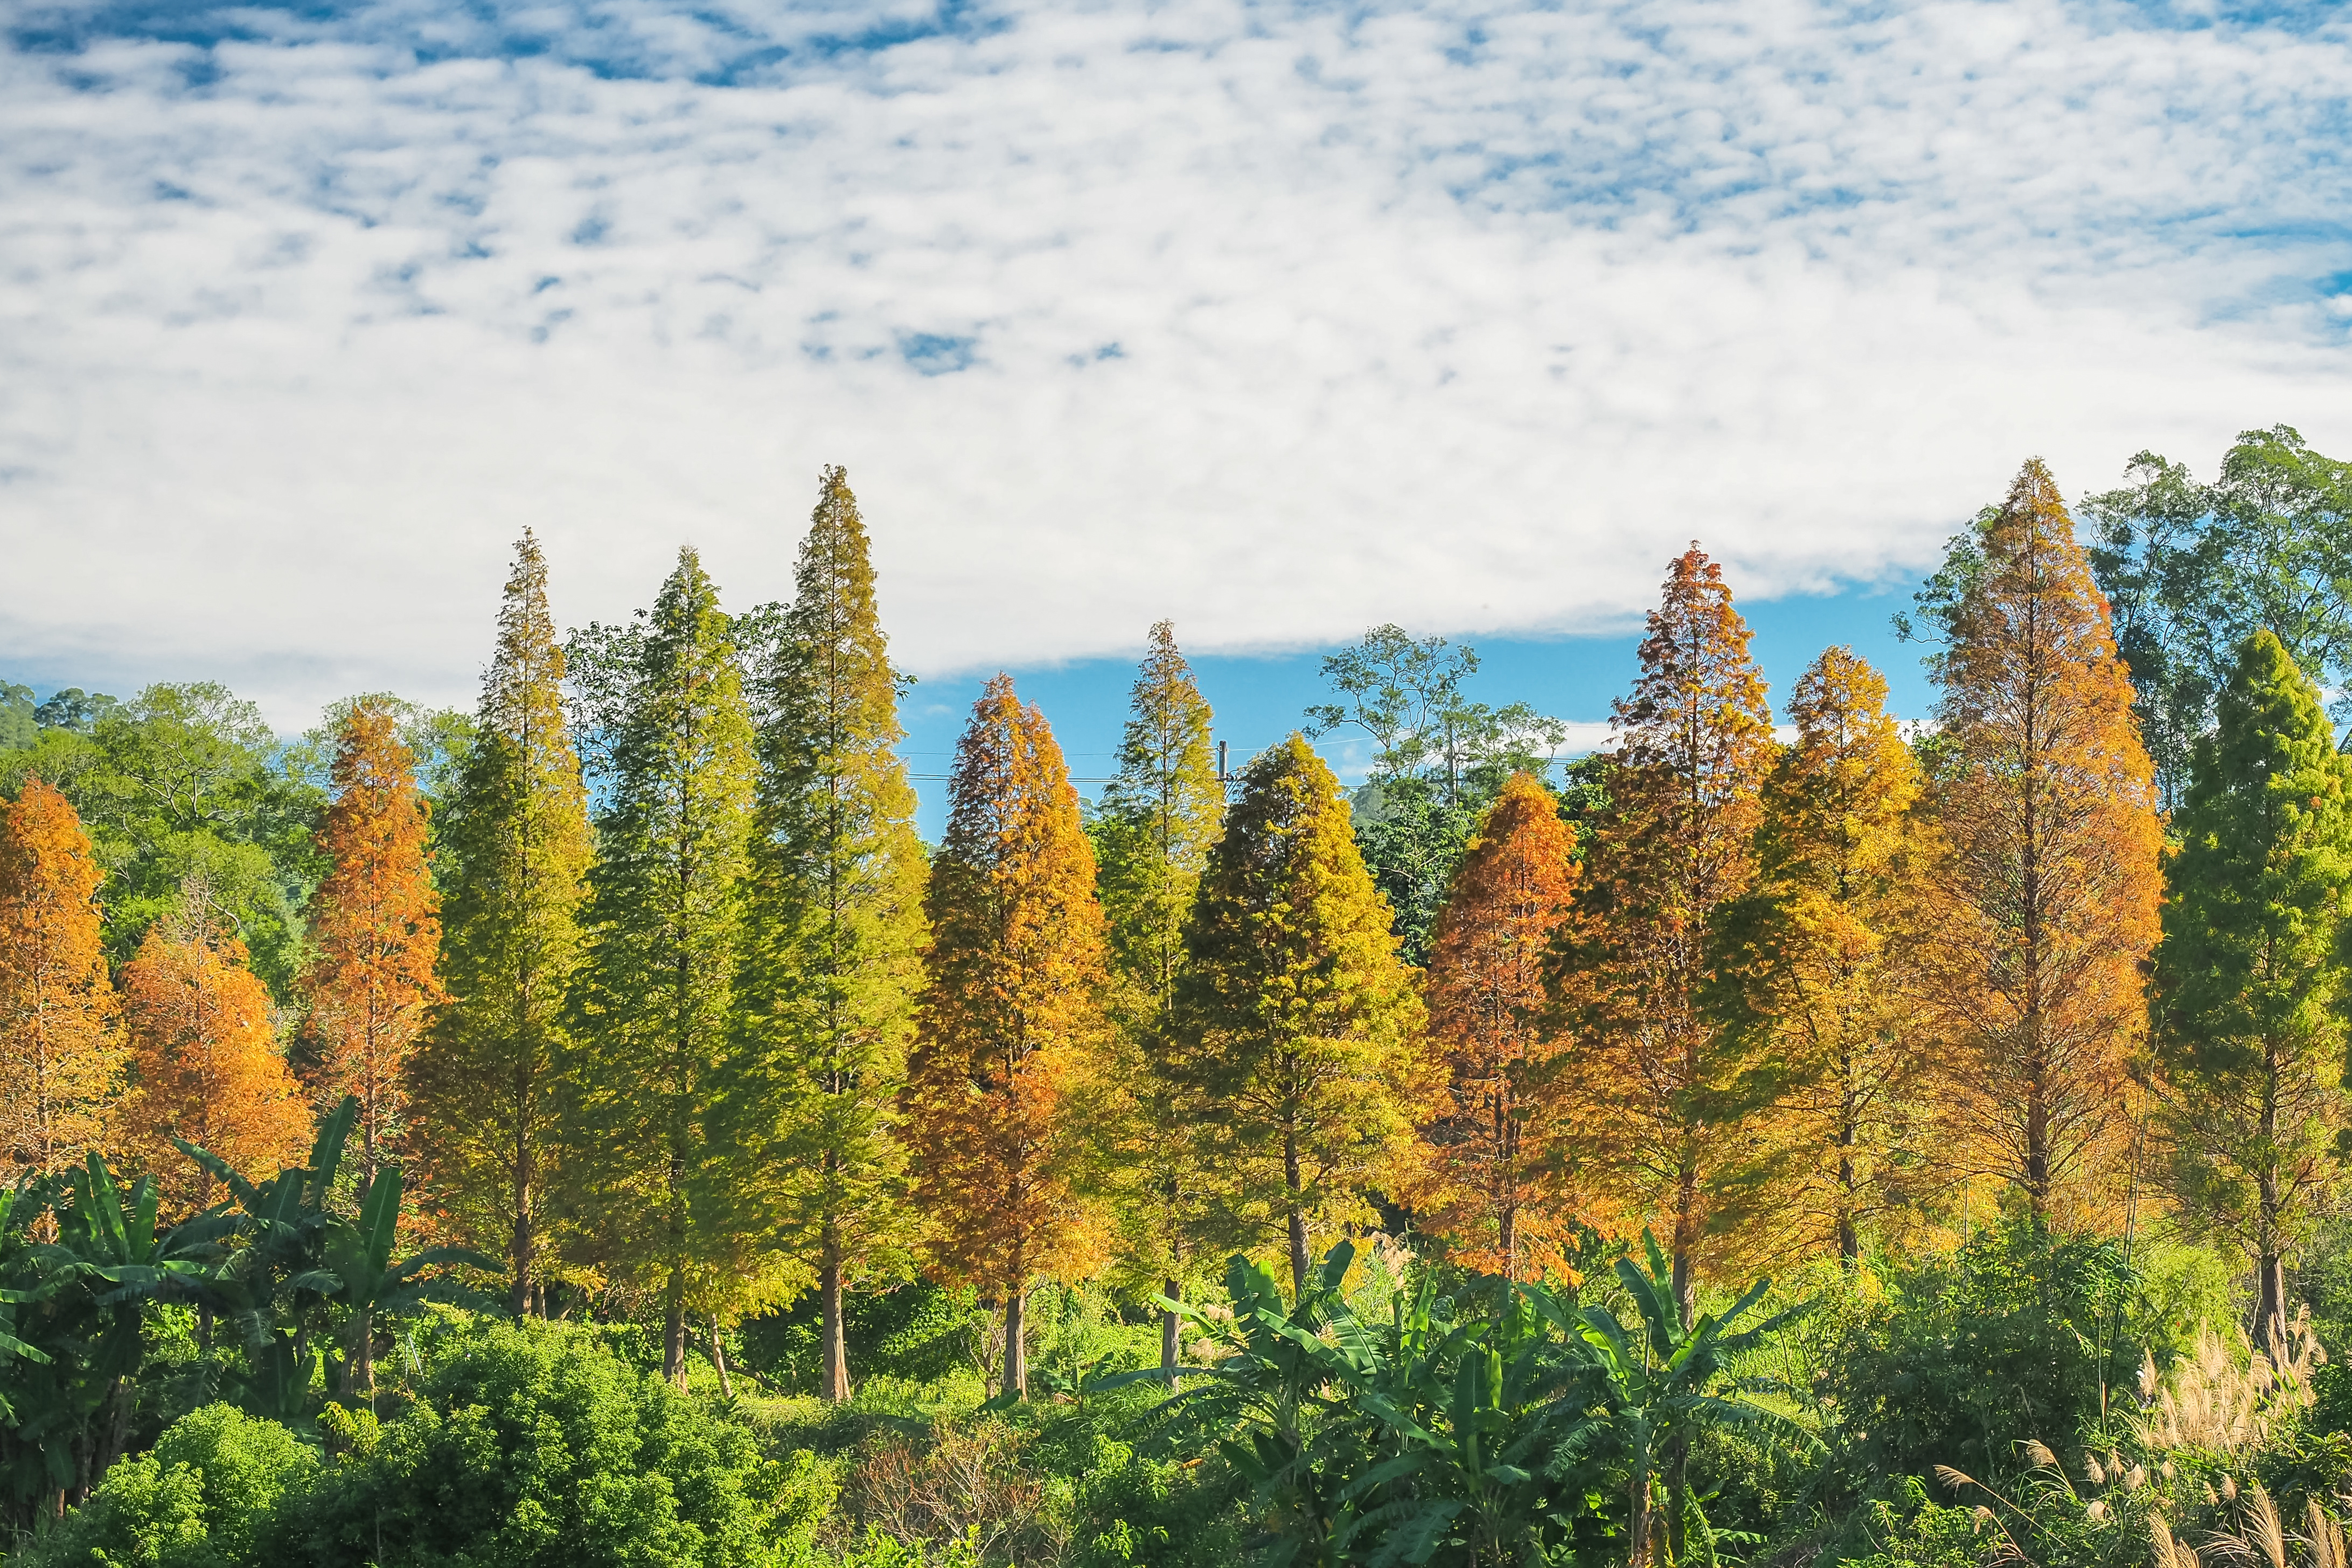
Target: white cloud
x: 1279, y: 319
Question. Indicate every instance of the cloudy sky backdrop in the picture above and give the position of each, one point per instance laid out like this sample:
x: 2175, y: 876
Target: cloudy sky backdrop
x: 1277, y: 318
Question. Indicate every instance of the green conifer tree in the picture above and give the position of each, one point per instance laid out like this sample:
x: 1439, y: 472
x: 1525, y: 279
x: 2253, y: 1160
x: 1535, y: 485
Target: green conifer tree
x: 2248, y: 1016
x: 516, y: 856
x: 651, y: 1019
x: 1298, y: 1033
x: 1152, y: 834
x: 835, y: 936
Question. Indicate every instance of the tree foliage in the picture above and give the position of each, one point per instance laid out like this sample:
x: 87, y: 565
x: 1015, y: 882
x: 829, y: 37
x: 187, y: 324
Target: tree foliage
x: 60, y: 1046
x: 1662, y: 1092
x: 1438, y: 758
x: 1011, y: 1036
x: 2249, y: 991
x: 204, y: 1061
x: 1814, y: 959
x: 651, y: 1020
x: 1498, y: 1190
x: 2192, y: 569
x: 1298, y: 1033
x: 375, y: 935
x: 1153, y: 832
x: 516, y: 844
x: 2047, y: 905
x: 834, y: 930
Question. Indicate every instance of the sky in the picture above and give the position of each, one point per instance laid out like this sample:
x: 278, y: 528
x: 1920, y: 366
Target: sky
x: 1277, y: 318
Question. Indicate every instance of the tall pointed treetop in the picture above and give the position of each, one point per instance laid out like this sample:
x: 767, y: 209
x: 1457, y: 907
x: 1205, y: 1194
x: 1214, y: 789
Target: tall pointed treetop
x: 835, y: 933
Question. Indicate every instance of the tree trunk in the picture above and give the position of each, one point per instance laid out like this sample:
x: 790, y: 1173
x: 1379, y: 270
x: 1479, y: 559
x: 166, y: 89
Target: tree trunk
x: 2269, y: 1311
x: 1510, y: 1244
x: 833, y: 1380
x: 523, y: 1270
x: 359, y: 1371
x: 1638, y: 1536
x: 674, y: 1332
x: 1298, y: 1215
x: 718, y: 1361
x: 1685, y: 1263
x: 1677, y: 1494
x: 1171, y: 1342
x: 1016, y: 1355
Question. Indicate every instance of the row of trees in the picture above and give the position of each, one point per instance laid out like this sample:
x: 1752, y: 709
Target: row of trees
x: 668, y: 1000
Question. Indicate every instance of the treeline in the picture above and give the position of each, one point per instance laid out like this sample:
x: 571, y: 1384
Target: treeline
x: 653, y: 989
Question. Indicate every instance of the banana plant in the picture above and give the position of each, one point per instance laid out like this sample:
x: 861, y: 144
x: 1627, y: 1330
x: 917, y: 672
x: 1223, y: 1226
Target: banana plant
x: 1485, y: 1418
x: 74, y: 1307
x: 303, y: 1267
x: 1660, y: 1382
x: 276, y: 1289
x: 373, y: 1287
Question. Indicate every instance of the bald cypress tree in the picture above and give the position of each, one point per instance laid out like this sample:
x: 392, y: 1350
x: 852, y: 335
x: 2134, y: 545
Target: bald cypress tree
x: 834, y: 930
x: 2045, y: 911
x: 1011, y: 1031
x: 1156, y: 824
x: 2251, y: 974
x: 651, y: 1018
x: 1659, y: 1087
x: 1813, y: 960
x: 517, y: 852
x: 1297, y: 1033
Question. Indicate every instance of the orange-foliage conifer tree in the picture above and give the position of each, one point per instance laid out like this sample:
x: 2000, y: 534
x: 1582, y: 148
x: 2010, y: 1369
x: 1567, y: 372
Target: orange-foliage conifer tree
x: 1493, y: 1147
x: 1012, y: 1025
x: 1813, y: 956
x: 2049, y: 908
x: 205, y: 1060
x: 376, y: 930
x: 1658, y: 1088
x: 60, y: 1048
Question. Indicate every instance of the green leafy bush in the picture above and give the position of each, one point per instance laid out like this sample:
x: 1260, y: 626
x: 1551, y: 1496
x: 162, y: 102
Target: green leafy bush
x: 530, y: 1448
x: 203, y: 1497
x: 527, y: 1447
x: 2019, y: 1335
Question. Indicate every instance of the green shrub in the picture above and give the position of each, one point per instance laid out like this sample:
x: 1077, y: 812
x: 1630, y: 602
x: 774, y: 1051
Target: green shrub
x: 1909, y: 1531
x: 2019, y: 1335
x: 200, y: 1499
x: 529, y: 1448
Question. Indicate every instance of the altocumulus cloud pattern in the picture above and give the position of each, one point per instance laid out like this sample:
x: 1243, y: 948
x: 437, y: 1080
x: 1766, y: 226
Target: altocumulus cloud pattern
x: 1278, y: 317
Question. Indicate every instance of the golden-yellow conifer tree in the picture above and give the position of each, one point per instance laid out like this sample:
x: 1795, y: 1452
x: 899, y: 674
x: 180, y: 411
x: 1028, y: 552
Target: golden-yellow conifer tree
x: 1297, y: 1035
x: 2048, y: 911
x: 375, y: 932
x: 1660, y: 1092
x: 1012, y: 1026
x: 1813, y: 958
x: 61, y: 1044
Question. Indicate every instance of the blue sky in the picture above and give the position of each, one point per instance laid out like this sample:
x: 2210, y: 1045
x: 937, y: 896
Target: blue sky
x: 1277, y: 318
